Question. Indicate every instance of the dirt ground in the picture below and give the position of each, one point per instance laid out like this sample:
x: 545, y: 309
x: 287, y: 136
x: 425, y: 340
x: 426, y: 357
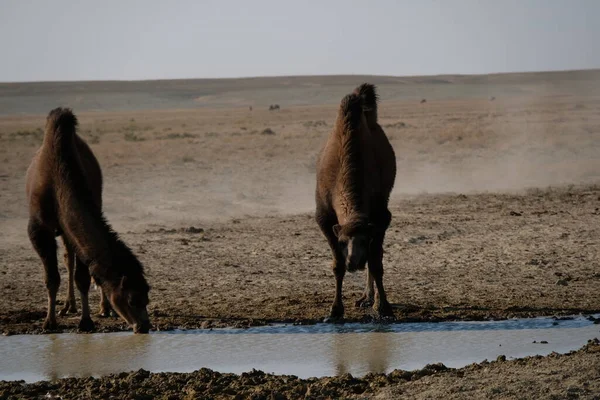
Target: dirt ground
x: 447, y: 257
x: 575, y: 376
x: 496, y: 208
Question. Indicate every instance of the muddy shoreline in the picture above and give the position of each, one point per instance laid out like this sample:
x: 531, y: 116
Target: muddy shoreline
x: 183, y: 324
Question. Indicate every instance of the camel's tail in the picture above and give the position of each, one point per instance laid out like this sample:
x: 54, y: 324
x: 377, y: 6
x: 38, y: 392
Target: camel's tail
x: 351, y: 111
x: 61, y: 125
x: 368, y: 94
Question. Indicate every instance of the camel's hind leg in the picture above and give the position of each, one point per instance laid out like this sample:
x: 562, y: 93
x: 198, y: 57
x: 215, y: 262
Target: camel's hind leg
x: 368, y: 297
x: 45, y: 245
x: 83, y: 280
x: 70, y: 304
x: 105, y: 307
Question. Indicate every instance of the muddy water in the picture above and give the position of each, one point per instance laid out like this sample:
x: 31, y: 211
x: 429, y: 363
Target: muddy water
x: 318, y: 350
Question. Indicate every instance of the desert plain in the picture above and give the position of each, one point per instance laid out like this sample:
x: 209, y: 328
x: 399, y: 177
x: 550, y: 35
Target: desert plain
x: 496, y: 214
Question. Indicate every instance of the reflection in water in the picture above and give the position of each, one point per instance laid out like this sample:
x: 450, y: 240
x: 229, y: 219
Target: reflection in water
x: 365, y: 353
x: 378, y: 352
x: 92, y: 355
x: 319, y: 350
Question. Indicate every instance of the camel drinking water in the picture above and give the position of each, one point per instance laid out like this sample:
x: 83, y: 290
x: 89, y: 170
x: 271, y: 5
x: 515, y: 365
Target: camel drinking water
x: 64, y: 185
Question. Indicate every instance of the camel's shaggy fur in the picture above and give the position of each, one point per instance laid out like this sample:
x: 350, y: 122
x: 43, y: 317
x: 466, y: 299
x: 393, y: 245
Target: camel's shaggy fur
x: 356, y: 171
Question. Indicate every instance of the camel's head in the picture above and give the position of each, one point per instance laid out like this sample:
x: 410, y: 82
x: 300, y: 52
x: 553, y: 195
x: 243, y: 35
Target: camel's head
x: 129, y: 299
x: 353, y: 244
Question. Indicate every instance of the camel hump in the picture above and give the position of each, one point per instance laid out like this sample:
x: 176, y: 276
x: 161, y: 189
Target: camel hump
x: 368, y: 94
x: 61, y: 123
x: 351, y: 109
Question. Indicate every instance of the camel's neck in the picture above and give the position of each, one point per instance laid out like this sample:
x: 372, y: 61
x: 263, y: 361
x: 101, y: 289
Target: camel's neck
x: 122, y: 262
x: 83, y: 222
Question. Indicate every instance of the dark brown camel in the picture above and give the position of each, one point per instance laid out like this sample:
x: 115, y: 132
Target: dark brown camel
x: 93, y: 174
x: 355, y: 175
x: 64, y: 186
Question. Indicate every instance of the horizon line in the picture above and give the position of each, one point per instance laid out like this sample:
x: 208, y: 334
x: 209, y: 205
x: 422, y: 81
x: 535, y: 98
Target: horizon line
x: 303, y: 76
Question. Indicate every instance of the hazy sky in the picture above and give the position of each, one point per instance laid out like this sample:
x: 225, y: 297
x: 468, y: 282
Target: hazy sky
x: 69, y: 40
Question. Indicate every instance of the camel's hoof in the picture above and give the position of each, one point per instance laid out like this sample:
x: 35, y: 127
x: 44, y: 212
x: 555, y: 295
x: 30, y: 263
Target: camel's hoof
x: 364, y: 302
x: 385, y: 311
x: 336, y: 314
x: 107, y: 311
x: 68, y: 309
x: 333, y: 320
x: 86, y: 325
x: 49, y: 325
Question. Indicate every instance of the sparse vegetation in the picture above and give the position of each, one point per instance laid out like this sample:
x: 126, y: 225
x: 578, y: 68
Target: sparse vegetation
x: 314, y: 124
x: 184, y: 135
x: 398, y: 124
x: 132, y: 137
x: 93, y: 139
x: 37, y: 134
x: 130, y: 132
x: 267, y: 131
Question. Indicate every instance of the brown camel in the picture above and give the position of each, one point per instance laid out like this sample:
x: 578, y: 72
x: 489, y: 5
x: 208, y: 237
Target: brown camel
x: 91, y: 170
x: 355, y: 175
x: 64, y: 186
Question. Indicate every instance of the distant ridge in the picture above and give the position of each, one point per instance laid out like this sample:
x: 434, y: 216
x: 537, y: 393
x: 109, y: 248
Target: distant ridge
x: 442, y: 78
x: 39, y: 97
